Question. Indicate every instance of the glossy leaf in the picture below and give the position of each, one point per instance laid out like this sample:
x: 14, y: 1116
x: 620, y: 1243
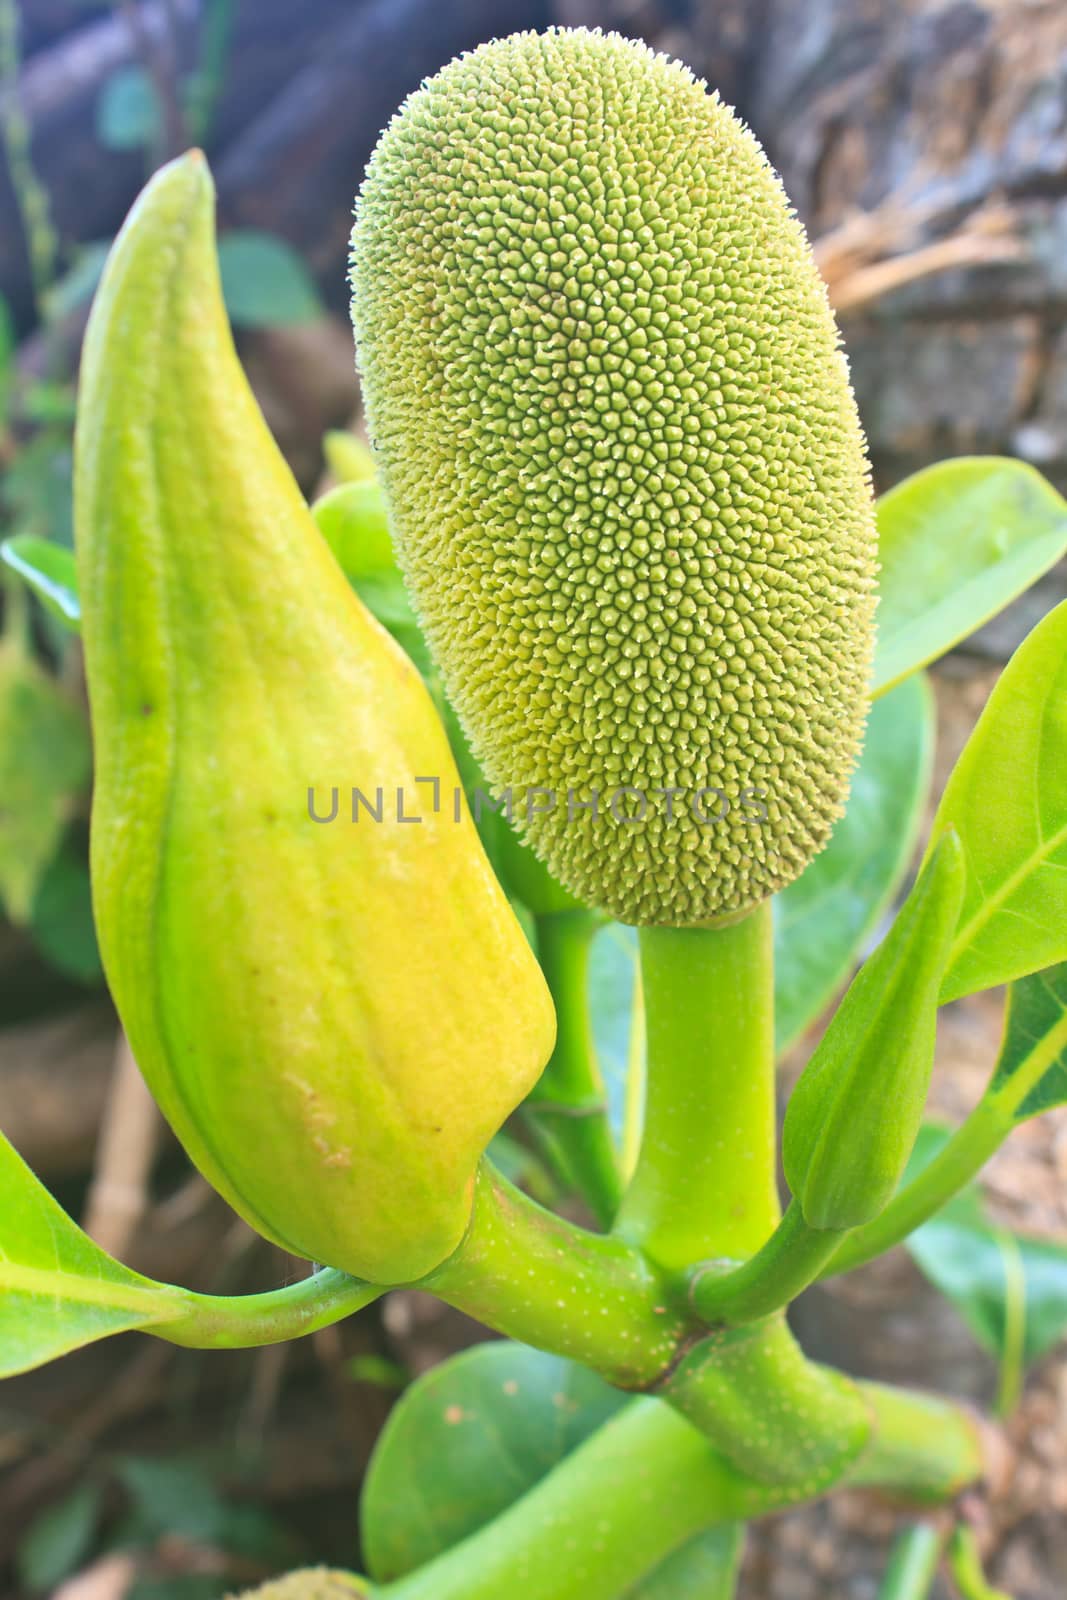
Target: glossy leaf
x: 352, y: 520
x: 45, y: 759
x: 58, y: 1290
x: 501, y: 1415
x: 704, y: 1569
x: 264, y: 281
x: 855, y: 1114
x: 1035, y: 1038
x: 1007, y: 800
x: 48, y: 570
x: 972, y: 1262
x: 823, y: 920
x: 355, y: 524
x: 957, y: 543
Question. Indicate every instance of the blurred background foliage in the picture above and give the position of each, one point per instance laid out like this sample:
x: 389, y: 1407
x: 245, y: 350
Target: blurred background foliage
x: 925, y: 146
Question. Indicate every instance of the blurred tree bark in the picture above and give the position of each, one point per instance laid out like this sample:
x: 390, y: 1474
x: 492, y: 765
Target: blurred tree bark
x: 927, y: 112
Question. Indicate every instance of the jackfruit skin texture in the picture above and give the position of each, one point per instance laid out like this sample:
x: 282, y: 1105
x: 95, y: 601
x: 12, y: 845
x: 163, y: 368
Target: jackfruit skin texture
x: 626, y: 476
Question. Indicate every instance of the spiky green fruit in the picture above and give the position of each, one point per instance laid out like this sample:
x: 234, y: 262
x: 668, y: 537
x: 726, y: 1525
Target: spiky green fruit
x: 624, y: 466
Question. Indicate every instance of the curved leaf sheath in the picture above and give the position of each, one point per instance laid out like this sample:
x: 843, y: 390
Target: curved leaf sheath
x: 856, y: 1111
x: 335, y: 1017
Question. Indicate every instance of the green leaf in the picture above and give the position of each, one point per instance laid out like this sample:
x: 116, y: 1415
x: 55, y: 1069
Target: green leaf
x: 61, y: 919
x: 378, y: 1371
x: 264, y: 281
x: 177, y: 1498
x: 968, y: 1261
x: 957, y: 543
x: 355, y: 524
x: 353, y: 521
x: 614, y: 1008
x: 1007, y: 800
x: 49, y: 570
x: 501, y: 1416
x: 38, y: 487
x: 58, y: 1541
x: 76, y: 286
x: 1034, y: 1046
x: 822, y: 921
x: 972, y: 1262
x: 855, y: 1113
x: 58, y: 1290
x: 127, y: 112
x: 704, y: 1569
x: 45, y: 758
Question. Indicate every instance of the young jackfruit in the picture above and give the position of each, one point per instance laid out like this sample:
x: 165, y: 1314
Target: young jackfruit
x: 625, y: 471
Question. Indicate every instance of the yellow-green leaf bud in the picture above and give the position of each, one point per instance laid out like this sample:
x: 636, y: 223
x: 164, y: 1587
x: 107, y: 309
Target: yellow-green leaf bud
x: 334, y: 1016
x: 855, y: 1113
x: 625, y: 471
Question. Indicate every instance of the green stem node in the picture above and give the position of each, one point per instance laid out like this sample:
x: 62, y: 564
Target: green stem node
x: 776, y: 1417
x: 533, y: 1276
x: 791, y: 1259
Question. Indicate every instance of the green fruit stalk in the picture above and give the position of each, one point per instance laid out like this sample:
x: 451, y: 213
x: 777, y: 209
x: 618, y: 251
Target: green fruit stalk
x: 625, y: 471
x: 335, y: 1017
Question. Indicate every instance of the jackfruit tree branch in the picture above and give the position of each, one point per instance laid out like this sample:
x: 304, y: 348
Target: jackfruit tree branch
x: 533, y: 1276
x: 568, y: 1108
x: 646, y: 1482
x: 705, y: 1179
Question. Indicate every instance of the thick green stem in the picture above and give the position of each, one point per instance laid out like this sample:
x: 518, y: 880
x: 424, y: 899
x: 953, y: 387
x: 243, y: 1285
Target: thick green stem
x: 791, y: 1259
x: 608, y: 1514
x: 776, y: 1417
x: 962, y: 1158
x: 646, y: 1482
x: 529, y: 1274
x: 921, y: 1447
x: 912, y: 1564
x: 568, y: 1109
x: 705, y: 1178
